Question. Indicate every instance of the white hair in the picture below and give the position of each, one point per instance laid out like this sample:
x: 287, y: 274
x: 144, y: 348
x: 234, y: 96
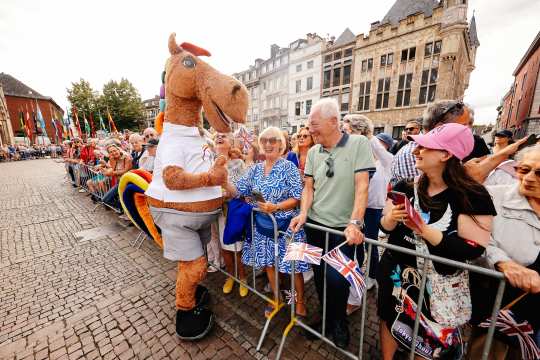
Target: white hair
x: 327, y: 108
x: 135, y: 138
x: 274, y: 131
x: 359, y: 123
x: 529, y: 149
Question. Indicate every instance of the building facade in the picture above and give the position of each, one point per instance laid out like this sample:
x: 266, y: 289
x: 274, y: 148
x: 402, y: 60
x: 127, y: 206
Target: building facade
x: 304, y: 78
x: 521, y: 105
x: 250, y: 78
x: 21, y: 98
x: 420, y: 52
x: 337, y: 70
x: 6, y: 131
x: 274, y: 89
x: 151, y: 110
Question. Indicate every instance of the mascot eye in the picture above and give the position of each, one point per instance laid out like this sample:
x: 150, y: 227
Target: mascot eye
x: 188, y: 62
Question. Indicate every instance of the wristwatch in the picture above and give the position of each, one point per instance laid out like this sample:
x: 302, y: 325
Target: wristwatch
x: 357, y: 222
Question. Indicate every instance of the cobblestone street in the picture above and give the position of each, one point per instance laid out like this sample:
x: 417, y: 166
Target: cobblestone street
x: 68, y: 296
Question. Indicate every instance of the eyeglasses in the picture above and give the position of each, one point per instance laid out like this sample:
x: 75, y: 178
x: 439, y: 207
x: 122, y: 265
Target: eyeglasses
x: 330, y: 164
x: 411, y: 129
x: 271, y: 141
x: 304, y: 136
x: 220, y: 137
x: 523, y: 170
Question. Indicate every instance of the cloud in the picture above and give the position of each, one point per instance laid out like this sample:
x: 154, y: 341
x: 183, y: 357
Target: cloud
x: 49, y: 44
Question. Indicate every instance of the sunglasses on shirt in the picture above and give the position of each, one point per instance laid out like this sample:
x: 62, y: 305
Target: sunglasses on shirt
x: 330, y: 164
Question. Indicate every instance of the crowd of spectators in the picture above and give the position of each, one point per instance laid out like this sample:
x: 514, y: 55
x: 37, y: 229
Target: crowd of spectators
x: 29, y: 152
x: 337, y: 174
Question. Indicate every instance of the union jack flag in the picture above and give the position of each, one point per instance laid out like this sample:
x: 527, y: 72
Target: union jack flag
x: 347, y: 268
x: 303, y: 252
x: 507, y: 324
x: 246, y: 138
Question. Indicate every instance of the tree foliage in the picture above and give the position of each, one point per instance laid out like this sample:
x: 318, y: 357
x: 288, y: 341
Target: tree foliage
x: 121, y: 99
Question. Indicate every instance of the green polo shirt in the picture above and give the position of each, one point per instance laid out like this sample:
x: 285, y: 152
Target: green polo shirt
x: 333, y: 197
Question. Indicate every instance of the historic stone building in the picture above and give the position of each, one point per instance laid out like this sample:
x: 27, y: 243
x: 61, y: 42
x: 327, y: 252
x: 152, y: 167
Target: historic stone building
x: 273, y: 82
x: 22, y: 98
x: 521, y: 105
x: 421, y: 51
x: 337, y: 70
x: 304, y: 78
x: 250, y: 78
x: 151, y: 109
x: 6, y: 131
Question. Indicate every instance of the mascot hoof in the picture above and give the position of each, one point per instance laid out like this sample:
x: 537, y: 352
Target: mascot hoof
x: 194, y: 324
x: 202, y: 296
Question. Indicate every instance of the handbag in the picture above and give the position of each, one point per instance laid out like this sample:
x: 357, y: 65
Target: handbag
x: 265, y: 226
x: 434, y: 340
x: 450, y: 296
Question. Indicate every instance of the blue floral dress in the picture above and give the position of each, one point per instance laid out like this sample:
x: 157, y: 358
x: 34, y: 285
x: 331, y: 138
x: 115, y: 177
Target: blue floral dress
x: 282, y: 183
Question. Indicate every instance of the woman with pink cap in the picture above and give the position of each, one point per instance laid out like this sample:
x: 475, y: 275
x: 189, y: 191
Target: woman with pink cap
x: 455, y: 220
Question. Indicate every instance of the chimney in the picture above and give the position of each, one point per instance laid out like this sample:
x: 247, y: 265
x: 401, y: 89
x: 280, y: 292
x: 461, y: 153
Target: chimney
x: 273, y: 50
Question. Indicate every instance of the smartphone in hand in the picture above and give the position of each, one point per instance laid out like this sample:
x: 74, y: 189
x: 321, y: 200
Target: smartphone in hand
x: 397, y: 197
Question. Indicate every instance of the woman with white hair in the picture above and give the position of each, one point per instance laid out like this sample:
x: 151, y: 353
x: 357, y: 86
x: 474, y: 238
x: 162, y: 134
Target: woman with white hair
x: 514, y: 248
x: 276, y: 186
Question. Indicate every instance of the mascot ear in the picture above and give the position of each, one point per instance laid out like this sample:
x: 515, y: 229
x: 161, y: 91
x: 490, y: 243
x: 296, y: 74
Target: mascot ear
x: 173, y: 46
x: 194, y: 49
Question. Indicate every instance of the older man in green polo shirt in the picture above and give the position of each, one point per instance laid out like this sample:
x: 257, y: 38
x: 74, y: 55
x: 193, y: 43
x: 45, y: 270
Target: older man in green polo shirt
x: 335, y: 195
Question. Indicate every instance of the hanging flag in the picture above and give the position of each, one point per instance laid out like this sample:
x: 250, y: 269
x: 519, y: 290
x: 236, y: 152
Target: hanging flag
x: 112, y: 125
x: 507, y: 324
x: 303, y: 252
x: 92, y: 128
x: 87, y: 128
x: 347, y: 268
x: 77, y: 123
x: 28, y: 126
x: 41, y: 120
x: 67, y: 122
x: 21, y: 120
x: 101, y: 123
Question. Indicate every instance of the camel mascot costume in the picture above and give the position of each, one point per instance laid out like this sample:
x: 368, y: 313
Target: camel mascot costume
x: 185, y: 194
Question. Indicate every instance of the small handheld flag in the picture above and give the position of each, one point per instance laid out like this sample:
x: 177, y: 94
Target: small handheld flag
x: 348, y: 268
x: 303, y: 252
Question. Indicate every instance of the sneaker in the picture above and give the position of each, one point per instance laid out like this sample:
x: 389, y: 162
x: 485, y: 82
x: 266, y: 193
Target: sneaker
x: 228, y: 286
x: 82, y: 190
x: 194, y: 324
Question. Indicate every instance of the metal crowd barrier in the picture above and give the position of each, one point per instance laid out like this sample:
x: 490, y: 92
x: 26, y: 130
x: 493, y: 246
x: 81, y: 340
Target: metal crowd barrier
x: 275, y: 302
x: 295, y: 321
x: 92, y: 181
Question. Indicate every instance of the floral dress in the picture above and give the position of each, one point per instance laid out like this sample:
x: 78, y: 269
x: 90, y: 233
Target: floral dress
x: 283, y: 182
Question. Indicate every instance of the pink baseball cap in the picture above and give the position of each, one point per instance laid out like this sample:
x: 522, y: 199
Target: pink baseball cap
x: 457, y: 139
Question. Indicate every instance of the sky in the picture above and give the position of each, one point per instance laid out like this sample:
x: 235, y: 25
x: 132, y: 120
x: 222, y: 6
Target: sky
x: 50, y: 44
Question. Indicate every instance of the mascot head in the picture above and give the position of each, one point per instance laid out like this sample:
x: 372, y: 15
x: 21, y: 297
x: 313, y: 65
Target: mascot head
x: 191, y: 83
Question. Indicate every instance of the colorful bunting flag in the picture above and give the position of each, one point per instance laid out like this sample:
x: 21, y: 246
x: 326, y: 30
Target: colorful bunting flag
x: 303, y: 252
x: 348, y: 268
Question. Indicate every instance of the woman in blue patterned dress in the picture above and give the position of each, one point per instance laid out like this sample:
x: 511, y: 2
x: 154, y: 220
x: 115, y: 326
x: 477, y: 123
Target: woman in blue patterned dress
x: 278, y: 180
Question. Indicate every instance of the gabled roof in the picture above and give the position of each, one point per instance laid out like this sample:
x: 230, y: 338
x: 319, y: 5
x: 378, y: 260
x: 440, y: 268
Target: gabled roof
x: 15, y: 87
x: 535, y: 44
x: 403, y: 8
x: 346, y: 37
x: 473, y: 36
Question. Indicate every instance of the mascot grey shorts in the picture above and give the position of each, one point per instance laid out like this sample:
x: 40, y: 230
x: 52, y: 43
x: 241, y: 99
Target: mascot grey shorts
x: 184, y: 234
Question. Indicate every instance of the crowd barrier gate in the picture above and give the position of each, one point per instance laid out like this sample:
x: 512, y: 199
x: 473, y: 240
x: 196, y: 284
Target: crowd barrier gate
x: 295, y: 321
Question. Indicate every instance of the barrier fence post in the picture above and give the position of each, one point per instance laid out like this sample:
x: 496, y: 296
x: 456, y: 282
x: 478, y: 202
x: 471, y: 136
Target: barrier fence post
x: 418, y: 310
x: 364, y: 302
x: 494, y: 313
